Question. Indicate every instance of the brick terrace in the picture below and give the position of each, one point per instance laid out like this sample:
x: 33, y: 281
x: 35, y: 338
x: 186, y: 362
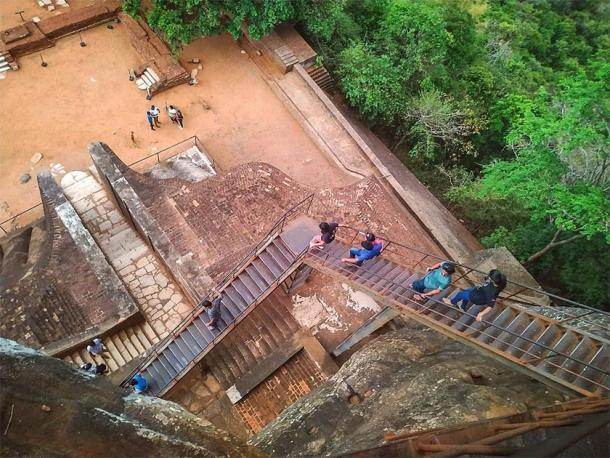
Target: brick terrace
x: 284, y: 387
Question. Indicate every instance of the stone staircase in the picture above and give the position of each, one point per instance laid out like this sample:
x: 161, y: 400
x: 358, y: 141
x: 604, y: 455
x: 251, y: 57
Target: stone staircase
x: 158, y: 297
x: 7, y: 62
x: 542, y: 347
x: 147, y: 79
x: 321, y: 76
x: 268, y: 327
x: 123, y: 346
x: 261, y: 271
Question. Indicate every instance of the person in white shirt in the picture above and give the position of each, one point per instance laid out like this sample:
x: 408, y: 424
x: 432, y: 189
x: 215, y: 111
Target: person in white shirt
x: 96, y: 347
x: 154, y: 112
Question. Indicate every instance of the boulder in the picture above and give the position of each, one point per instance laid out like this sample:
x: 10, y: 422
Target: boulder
x: 407, y: 380
x: 55, y: 409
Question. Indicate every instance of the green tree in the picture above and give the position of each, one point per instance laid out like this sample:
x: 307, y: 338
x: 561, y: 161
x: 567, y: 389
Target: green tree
x: 560, y: 172
x: 436, y: 126
x: 372, y: 83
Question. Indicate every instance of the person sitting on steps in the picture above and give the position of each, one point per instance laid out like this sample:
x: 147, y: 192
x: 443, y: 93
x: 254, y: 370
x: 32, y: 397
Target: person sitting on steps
x: 139, y: 384
x: 377, y: 243
x: 327, y: 235
x: 357, y: 256
x: 485, y: 294
x: 435, y: 281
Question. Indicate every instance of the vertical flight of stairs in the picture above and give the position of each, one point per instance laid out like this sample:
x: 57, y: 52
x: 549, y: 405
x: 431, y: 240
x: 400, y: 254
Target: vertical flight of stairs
x: 543, y: 347
x: 255, y: 278
x: 127, y: 253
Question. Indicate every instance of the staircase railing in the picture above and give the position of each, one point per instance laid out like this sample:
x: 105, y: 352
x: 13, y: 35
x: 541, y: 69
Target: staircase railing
x: 300, y: 208
x: 350, y: 233
x: 351, y: 269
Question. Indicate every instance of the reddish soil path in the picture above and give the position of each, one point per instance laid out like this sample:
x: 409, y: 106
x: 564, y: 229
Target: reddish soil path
x: 84, y: 95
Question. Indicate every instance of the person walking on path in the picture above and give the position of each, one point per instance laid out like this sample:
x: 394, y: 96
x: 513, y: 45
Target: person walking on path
x: 96, y: 347
x: 357, y: 256
x: 327, y: 235
x: 436, y: 280
x: 176, y: 116
x: 213, y: 311
x: 154, y: 112
x: 179, y: 119
x: 150, y: 118
x: 139, y: 384
x: 485, y: 294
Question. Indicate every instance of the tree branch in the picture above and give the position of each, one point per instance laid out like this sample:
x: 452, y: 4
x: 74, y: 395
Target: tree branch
x: 553, y: 244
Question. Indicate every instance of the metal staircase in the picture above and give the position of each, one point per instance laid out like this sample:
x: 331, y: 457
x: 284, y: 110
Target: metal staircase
x: 547, y: 349
x: 544, y: 432
x: 255, y: 277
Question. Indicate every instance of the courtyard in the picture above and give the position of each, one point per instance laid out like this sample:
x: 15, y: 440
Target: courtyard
x: 84, y: 95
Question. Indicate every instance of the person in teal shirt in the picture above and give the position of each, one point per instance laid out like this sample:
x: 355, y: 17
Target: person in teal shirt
x: 436, y: 280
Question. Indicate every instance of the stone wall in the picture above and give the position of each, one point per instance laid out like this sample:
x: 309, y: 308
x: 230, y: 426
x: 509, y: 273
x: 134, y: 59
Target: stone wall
x: 36, y: 36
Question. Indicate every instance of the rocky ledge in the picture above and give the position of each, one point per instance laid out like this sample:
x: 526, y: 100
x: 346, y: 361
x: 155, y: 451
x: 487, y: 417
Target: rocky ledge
x: 407, y: 380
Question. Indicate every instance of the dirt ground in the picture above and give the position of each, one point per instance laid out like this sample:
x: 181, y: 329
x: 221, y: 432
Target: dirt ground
x: 84, y: 95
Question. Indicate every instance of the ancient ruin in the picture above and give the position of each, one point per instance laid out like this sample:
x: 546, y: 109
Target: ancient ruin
x: 311, y: 357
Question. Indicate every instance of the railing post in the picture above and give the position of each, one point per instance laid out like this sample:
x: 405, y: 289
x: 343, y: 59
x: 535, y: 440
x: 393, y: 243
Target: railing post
x: 420, y: 261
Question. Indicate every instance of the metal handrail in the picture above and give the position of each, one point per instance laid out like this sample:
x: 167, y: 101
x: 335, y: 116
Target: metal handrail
x: 472, y: 269
x: 236, y: 320
x: 193, y: 139
x: 226, y: 280
x: 470, y: 326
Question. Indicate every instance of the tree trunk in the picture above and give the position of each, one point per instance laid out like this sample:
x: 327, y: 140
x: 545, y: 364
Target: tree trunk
x: 552, y: 244
x: 400, y: 141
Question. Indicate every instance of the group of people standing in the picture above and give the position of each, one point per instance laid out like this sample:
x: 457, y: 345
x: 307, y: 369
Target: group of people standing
x: 438, y: 277
x: 173, y: 113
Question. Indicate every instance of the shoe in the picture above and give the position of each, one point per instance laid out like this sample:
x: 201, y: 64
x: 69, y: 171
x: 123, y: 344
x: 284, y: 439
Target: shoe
x: 447, y: 301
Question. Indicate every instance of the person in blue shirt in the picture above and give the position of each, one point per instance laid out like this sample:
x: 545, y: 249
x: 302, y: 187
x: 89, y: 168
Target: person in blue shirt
x: 436, y: 280
x: 139, y: 384
x: 359, y: 255
x: 377, y: 243
x: 213, y: 310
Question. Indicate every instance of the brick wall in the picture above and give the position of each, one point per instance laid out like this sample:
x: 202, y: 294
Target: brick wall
x: 61, y: 296
x: 281, y: 389
x: 218, y: 219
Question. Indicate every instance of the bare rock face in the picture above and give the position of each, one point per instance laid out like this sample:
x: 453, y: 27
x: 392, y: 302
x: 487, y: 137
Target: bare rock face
x: 49, y: 408
x: 407, y: 380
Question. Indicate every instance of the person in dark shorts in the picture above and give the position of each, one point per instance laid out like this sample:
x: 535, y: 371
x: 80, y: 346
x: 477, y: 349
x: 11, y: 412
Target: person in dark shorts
x: 327, y: 235
x: 436, y: 280
x: 484, y: 294
x: 213, y: 311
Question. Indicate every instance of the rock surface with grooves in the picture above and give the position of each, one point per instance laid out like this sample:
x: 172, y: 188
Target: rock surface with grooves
x: 407, y: 380
x: 87, y: 416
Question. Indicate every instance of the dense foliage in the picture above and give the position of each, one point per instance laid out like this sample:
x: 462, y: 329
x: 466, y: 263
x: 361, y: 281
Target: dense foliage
x: 500, y: 106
